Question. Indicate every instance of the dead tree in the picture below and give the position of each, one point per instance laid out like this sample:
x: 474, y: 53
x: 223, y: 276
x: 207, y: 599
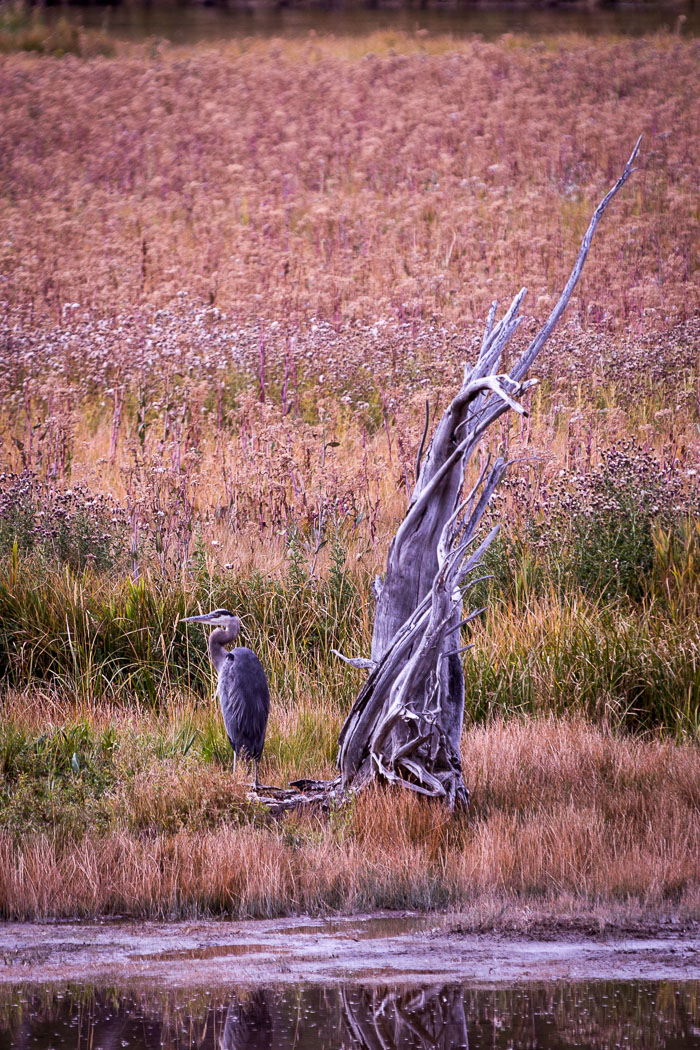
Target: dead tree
x: 405, y: 726
x: 406, y: 723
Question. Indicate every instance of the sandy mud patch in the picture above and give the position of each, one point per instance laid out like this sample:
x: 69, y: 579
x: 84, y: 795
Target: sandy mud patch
x: 402, y: 948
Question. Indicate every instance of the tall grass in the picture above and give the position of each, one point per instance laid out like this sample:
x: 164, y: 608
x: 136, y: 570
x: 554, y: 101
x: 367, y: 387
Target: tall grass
x: 102, y: 640
x: 625, y: 666
x: 97, y: 637
x: 139, y: 768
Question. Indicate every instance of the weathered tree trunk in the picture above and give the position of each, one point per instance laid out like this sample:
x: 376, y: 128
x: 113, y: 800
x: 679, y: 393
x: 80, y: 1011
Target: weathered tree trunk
x: 405, y: 726
x: 406, y: 723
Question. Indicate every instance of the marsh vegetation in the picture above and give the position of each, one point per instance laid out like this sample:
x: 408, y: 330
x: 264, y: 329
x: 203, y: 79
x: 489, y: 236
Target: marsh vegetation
x: 230, y: 281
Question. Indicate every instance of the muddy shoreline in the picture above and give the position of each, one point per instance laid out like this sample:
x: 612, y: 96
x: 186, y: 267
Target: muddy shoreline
x: 386, y: 948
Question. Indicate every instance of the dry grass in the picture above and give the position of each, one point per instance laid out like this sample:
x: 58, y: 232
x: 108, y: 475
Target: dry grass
x: 566, y: 817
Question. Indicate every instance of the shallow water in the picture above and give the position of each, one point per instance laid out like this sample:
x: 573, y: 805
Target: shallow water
x: 357, y: 930
x: 593, y: 1014
x: 365, y: 929
x: 189, y: 24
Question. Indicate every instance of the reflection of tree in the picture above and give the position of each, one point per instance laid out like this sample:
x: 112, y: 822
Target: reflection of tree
x: 639, y: 1015
x: 248, y: 1023
x: 381, y: 1019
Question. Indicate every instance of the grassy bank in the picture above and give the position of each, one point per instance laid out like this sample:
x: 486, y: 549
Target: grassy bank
x: 565, y: 817
x: 88, y: 641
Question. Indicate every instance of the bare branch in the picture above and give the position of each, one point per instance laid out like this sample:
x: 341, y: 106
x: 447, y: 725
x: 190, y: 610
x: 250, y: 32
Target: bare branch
x: 356, y: 661
x: 468, y: 619
x: 416, y: 508
x: 422, y: 440
x: 458, y: 652
x: 543, y: 335
x: 489, y: 328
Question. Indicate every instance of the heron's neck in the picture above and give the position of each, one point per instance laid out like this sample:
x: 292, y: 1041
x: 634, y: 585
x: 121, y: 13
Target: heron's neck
x: 217, y: 640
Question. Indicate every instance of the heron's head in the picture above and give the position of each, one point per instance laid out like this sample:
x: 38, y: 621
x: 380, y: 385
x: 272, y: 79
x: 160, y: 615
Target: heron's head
x: 217, y: 618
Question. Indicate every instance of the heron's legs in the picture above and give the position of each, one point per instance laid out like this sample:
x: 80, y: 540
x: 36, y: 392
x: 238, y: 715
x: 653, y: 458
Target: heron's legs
x: 235, y: 756
x: 255, y: 781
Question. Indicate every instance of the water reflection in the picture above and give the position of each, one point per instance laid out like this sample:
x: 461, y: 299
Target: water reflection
x: 600, y: 1015
x: 427, y: 1017
x: 248, y: 1023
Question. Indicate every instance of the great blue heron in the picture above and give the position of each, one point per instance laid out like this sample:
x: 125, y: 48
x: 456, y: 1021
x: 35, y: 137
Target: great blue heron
x: 242, y: 690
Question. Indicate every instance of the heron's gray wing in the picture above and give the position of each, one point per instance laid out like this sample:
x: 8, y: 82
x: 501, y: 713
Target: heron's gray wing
x: 245, y: 701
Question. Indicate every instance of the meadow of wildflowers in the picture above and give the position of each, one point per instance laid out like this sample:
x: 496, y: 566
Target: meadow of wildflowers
x: 230, y: 280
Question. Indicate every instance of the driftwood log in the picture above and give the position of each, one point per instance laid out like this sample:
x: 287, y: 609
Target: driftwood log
x: 405, y: 725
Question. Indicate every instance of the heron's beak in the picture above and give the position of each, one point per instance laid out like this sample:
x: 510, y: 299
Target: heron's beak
x: 197, y: 619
